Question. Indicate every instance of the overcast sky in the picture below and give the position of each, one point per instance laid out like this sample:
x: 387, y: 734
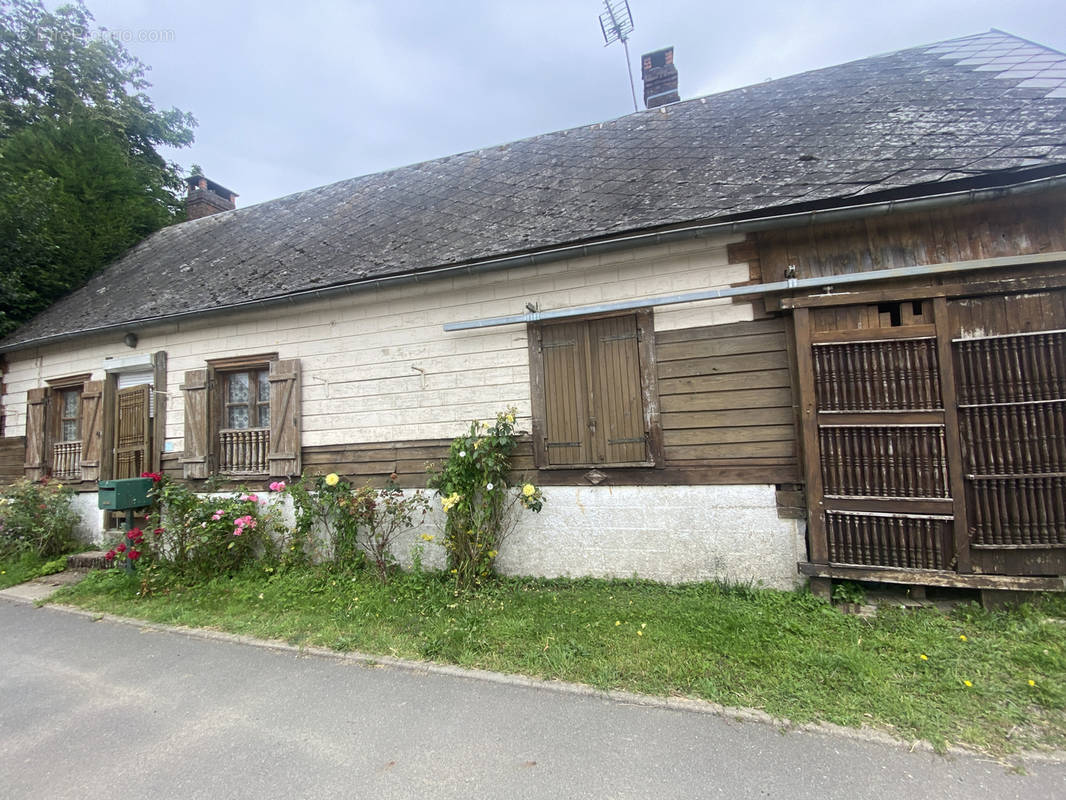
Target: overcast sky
x: 293, y: 95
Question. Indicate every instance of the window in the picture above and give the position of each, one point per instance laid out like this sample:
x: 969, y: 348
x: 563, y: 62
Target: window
x: 58, y: 417
x: 247, y: 399
x: 69, y: 411
x: 594, y: 396
x: 242, y: 417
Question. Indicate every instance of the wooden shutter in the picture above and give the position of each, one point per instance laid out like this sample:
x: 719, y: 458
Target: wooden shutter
x: 197, y: 460
x: 284, y: 455
x: 36, y: 403
x: 566, y: 401
x: 617, y: 411
x: 132, y: 432
x: 92, y: 429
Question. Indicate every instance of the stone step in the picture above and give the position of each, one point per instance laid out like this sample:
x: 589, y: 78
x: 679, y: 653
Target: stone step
x: 93, y: 559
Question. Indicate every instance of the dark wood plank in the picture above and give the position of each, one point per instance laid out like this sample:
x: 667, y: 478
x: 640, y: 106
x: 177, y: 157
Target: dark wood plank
x: 728, y: 418
x: 728, y: 331
x: 727, y: 346
x: 874, y: 334
x: 753, y: 433
x: 956, y: 473
x: 928, y: 577
x: 719, y: 365
x: 812, y: 472
x: 767, y: 379
x: 731, y: 400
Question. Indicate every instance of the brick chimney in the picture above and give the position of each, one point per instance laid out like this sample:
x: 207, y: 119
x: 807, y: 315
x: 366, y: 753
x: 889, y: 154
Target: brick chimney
x: 660, y: 78
x: 207, y: 197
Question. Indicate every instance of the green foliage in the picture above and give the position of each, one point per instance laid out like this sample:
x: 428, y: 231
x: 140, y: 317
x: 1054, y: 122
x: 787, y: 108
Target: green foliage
x: 357, y: 524
x: 848, y: 592
x: 478, y: 504
x: 789, y: 654
x: 26, y: 566
x: 199, y: 536
x: 326, y: 527
x: 80, y: 176
x: 36, y: 518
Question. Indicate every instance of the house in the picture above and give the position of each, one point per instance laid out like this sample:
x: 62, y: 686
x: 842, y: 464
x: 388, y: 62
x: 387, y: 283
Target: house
x: 814, y: 327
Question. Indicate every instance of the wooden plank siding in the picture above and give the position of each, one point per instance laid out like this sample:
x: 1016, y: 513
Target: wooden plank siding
x: 12, y: 458
x: 1006, y: 227
x: 726, y: 396
x: 727, y: 418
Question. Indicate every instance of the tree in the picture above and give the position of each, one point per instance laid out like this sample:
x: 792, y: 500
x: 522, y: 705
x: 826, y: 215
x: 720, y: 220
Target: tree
x: 80, y: 177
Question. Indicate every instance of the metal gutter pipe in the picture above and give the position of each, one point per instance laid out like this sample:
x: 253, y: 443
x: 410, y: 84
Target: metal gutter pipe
x: 789, y: 220
x: 827, y: 282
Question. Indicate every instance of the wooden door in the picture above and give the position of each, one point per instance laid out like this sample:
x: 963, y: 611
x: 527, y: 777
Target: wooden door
x: 937, y: 441
x: 132, y: 431
x: 1010, y: 366
x: 876, y: 437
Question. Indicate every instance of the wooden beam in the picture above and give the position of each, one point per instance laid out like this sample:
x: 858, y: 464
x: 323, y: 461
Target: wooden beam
x: 952, y: 440
x: 818, y: 549
x: 915, y: 291
x: 932, y: 577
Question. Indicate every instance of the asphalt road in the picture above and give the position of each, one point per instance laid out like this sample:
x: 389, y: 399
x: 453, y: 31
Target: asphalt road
x: 100, y: 709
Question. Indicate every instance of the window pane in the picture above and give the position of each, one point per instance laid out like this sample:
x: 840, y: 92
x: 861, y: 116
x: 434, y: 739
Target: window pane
x: 70, y: 403
x: 264, y: 415
x: 264, y: 386
x: 70, y: 430
x: 237, y: 417
x: 238, y: 388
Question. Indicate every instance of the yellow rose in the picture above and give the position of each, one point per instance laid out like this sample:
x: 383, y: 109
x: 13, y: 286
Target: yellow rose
x: 529, y: 490
x: 332, y: 479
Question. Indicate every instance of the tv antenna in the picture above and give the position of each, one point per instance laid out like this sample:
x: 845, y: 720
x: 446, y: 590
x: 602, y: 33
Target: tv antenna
x: 616, y: 22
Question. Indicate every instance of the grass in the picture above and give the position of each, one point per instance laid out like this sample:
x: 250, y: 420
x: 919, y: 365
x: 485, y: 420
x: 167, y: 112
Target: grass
x: 789, y: 654
x: 19, y: 569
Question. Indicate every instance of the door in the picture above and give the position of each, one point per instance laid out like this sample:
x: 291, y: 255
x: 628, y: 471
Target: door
x: 935, y: 433
x: 132, y: 431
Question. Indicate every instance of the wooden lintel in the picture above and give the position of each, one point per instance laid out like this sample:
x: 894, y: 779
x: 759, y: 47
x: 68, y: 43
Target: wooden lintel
x: 1006, y: 284
x: 932, y: 577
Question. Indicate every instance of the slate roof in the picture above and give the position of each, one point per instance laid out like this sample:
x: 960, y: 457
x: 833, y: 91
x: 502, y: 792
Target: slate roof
x: 928, y: 115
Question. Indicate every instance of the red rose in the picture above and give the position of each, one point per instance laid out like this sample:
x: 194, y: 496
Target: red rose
x: 134, y: 534
x: 121, y: 548
x: 109, y: 555
x: 158, y: 531
x: 134, y: 555
x: 155, y: 476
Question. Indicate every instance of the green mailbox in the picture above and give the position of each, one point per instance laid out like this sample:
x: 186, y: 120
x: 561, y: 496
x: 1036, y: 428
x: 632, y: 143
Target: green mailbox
x: 124, y: 494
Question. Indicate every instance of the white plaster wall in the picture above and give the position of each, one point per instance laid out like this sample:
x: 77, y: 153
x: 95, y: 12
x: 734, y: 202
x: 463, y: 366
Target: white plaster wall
x: 378, y: 366
x: 665, y: 533
x: 90, y: 527
x: 672, y: 534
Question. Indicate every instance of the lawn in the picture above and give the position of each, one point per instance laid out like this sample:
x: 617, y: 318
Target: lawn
x: 992, y: 681
x: 27, y: 566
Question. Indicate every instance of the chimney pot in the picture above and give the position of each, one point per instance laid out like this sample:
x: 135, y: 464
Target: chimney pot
x: 660, y: 78
x: 205, y: 197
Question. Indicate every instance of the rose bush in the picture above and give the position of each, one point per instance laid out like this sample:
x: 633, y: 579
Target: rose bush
x: 36, y: 517
x: 478, y: 503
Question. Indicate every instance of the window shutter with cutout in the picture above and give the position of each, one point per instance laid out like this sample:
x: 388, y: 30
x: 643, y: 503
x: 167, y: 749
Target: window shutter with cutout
x: 92, y: 429
x: 284, y: 455
x: 197, y: 460
x: 36, y: 402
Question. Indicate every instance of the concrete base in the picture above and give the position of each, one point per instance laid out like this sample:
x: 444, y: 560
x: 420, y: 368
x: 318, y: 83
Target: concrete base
x: 664, y: 533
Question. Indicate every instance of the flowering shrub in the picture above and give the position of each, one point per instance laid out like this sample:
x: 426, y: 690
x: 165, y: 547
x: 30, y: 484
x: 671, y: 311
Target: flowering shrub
x: 36, y: 518
x: 320, y: 505
x: 358, y: 523
x: 200, y: 536
x: 479, y: 505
